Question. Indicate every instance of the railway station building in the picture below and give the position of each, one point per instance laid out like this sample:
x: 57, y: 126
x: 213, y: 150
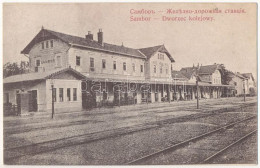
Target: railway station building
x: 78, y: 73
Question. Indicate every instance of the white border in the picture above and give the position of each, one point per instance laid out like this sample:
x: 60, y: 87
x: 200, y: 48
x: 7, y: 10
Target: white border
x: 117, y: 1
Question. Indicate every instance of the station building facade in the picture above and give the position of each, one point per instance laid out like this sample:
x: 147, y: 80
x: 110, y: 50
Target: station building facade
x: 89, y: 73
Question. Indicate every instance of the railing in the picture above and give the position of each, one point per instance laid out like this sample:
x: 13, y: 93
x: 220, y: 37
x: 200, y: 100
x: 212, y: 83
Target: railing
x: 10, y: 109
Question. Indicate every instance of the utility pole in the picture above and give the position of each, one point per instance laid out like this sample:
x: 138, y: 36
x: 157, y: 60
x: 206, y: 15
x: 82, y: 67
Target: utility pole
x: 119, y: 97
x: 197, y: 84
x: 244, y: 91
x: 52, y: 100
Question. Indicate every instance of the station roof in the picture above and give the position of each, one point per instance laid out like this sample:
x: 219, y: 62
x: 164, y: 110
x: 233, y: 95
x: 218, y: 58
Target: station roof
x: 40, y: 76
x: 144, y: 53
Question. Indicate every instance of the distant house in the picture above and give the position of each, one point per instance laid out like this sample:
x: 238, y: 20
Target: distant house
x: 239, y: 82
x: 251, y: 83
x: 209, y: 77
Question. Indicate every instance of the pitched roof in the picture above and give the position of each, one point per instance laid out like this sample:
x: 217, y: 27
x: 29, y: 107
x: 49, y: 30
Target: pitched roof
x: 206, y: 69
x: 83, y: 42
x: 248, y: 75
x: 178, y: 75
x: 40, y: 75
x: 188, y: 71
x: 150, y: 51
x: 239, y: 75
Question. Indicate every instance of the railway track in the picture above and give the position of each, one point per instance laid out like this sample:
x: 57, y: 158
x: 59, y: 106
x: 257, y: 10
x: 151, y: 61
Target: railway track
x: 48, y: 146
x: 18, y: 130
x: 185, y: 143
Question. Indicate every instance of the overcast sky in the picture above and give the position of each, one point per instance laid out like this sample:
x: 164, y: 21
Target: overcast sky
x: 229, y: 39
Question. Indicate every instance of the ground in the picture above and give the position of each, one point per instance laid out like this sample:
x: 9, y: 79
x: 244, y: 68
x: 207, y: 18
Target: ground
x: 116, y: 136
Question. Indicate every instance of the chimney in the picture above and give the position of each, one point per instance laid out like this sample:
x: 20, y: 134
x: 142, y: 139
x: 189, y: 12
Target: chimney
x: 100, y: 37
x: 89, y: 36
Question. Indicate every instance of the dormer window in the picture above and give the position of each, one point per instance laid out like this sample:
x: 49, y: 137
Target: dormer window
x: 42, y: 45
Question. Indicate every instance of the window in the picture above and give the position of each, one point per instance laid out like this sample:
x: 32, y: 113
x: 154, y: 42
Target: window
x: 103, y: 63
x: 142, y: 68
x: 74, y: 94
x: 58, y: 61
x: 124, y: 66
x: 38, y: 63
x: 114, y: 65
x: 61, y: 94
x: 166, y: 71
x: 92, y: 64
x: 161, y: 69
x: 54, y: 95
x: 47, y: 44
x: 51, y: 43
x: 77, y: 60
x: 133, y: 65
x: 68, y: 94
x: 158, y: 55
x: 42, y: 45
x: 154, y: 68
x: 6, y: 98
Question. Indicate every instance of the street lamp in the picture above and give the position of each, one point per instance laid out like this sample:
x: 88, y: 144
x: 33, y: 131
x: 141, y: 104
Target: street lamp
x: 52, y: 97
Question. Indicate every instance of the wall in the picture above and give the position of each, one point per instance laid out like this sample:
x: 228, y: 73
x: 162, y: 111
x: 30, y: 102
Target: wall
x: 216, y: 77
x: 165, y: 63
x: 109, y: 71
x: 238, y: 83
x: 47, y: 56
x: 65, y: 105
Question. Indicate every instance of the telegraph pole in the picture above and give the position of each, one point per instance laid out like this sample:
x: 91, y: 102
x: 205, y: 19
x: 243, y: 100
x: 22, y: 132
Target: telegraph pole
x: 197, y: 84
x: 244, y: 91
x: 52, y: 100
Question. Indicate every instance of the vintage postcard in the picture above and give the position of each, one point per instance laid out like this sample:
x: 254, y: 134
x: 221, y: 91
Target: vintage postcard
x: 129, y: 83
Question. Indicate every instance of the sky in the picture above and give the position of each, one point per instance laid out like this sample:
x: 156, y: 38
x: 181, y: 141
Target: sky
x: 229, y: 39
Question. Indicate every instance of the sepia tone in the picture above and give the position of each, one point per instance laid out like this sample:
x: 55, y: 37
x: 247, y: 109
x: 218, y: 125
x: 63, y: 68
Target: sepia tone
x: 129, y: 83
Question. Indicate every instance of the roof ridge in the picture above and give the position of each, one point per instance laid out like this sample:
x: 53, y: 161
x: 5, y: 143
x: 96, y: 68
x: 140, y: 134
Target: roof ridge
x: 151, y: 47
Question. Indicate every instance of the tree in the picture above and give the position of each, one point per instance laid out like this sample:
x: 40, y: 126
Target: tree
x: 15, y: 68
x: 226, y: 75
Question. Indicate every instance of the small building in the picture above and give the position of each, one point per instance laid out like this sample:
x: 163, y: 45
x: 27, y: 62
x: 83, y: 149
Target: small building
x: 238, y: 81
x: 210, y: 79
x: 37, y: 87
x: 251, y: 84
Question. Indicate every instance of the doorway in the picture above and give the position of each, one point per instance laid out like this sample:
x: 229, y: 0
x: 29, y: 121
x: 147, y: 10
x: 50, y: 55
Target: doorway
x: 33, y: 102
